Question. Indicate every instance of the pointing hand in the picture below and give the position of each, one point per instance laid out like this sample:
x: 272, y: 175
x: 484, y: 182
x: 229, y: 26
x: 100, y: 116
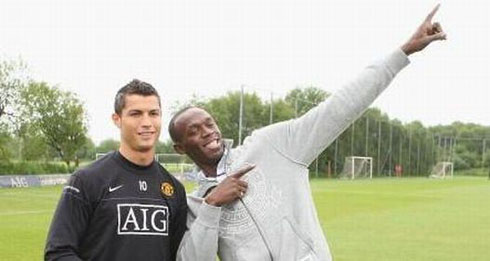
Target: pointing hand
x: 427, y: 33
x: 230, y: 189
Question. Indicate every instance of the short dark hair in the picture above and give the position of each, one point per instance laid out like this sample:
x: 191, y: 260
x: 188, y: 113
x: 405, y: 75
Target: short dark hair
x: 171, y: 125
x: 134, y: 87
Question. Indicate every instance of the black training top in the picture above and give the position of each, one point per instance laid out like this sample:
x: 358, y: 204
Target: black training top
x: 116, y: 210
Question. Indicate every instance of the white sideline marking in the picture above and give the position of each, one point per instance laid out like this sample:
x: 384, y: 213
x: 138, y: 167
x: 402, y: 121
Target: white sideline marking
x: 13, y: 213
x: 421, y: 195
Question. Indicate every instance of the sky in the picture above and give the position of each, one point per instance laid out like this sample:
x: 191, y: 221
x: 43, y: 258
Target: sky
x: 207, y: 48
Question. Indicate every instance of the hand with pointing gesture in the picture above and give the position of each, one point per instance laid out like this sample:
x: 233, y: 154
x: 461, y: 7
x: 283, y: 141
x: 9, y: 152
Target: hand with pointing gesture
x: 425, y: 34
x: 230, y: 189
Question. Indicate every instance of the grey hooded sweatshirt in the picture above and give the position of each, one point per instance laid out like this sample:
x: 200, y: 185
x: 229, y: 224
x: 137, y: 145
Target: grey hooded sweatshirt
x: 277, y: 219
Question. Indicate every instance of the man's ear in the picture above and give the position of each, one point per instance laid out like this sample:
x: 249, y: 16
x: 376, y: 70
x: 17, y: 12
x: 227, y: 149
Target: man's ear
x: 179, y: 148
x: 116, y: 119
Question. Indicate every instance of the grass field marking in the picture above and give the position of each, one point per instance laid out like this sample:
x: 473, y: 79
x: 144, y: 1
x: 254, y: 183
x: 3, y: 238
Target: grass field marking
x: 371, y: 220
x: 33, y: 191
x: 397, y: 194
x: 36, y: 196
x: 30, y: 212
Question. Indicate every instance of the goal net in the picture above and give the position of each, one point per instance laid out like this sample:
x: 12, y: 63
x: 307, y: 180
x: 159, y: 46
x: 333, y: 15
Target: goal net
x: 357, y: 167
x: 443, y: 169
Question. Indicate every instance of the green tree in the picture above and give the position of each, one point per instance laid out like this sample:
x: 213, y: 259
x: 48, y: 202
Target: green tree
x: 87, y: 151
x: 303, y: 99
x: 59, y: 116
x: 281, y: 111
x: 226, y: 111
x: 107, y: 146
x: 32, y: 143
x: 5, y: 139
x: 12, y: 80
x: 164, y: 147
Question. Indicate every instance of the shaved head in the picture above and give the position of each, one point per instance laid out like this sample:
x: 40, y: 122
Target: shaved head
x: 175, y: 135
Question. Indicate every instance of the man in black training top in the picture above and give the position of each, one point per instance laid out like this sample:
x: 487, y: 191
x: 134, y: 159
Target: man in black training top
x: 124, y: 206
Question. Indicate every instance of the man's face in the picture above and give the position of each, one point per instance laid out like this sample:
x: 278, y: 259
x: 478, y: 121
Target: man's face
x: 200, y: 137
x: 139, y: 122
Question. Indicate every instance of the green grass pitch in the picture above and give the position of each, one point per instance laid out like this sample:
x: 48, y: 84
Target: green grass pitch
x: 379, y: 219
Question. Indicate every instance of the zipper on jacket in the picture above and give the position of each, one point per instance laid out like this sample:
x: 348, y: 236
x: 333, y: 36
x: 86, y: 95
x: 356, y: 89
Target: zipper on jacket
x: 258, y: 229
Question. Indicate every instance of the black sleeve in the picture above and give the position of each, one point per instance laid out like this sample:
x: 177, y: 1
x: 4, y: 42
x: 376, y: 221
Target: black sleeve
x: 180, y: 221
x: 69, y: 223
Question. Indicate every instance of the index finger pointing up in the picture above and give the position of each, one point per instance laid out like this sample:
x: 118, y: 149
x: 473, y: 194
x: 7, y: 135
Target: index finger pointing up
x: 432, y: 13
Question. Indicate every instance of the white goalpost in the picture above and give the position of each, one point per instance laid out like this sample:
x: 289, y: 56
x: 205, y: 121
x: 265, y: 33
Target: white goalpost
x: 176, y: 164
x: 357, y: 167
x: 442, y: 170
x: 99, y: 155
x: 181, y: 166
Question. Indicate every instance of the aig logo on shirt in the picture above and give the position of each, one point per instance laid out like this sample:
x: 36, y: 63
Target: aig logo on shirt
x: 141, y: 219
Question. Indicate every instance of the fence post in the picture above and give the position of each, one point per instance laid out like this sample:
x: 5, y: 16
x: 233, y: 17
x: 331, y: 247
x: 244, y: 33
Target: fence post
x: 271, y: 109
x: 379, y: 148
x: 367, y: 138
x: 418, y: 157
x: 352, y: 139
x: 335, y: 156
x: 483, y: 154
x: 240, y: 120
x: 391, y: 149
x: 409, y: 152
x: 401, y: 150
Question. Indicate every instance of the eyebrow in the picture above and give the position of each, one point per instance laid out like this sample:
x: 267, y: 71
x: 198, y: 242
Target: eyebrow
x: 139, y: 110
x: 196, y: 124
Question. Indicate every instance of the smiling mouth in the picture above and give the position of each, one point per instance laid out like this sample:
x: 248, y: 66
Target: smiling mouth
x: 146, y: 133
x: 214, y: 144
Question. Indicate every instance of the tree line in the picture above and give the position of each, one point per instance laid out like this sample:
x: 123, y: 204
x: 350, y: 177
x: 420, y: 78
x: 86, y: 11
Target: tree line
x: 39, y: 122
x: 413, y: 146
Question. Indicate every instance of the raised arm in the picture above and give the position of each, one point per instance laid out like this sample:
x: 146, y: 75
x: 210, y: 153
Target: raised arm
x: 303, y: 139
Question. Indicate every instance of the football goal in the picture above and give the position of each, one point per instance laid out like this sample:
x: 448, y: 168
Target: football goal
x: 175, y: 163
x: 357, y: 167
x: 443, y: 169
x: 99, y: 155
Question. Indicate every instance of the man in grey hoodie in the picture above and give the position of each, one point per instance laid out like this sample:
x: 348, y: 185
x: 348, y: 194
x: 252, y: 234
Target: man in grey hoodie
x: 271, y: 214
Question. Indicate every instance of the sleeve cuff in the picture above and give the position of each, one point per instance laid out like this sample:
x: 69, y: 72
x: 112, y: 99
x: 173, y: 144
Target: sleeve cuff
x: 397, y: 60
x: 209, y: 215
